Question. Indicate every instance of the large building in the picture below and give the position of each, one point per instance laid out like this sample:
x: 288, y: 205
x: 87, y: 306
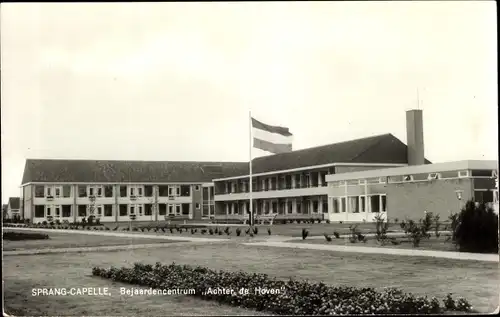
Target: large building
x: 347, y: 181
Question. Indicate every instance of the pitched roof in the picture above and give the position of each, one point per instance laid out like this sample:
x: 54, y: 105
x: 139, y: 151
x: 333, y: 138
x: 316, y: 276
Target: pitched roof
x: 14, y: 202
x: 58, y: 170
x: 384, y: 148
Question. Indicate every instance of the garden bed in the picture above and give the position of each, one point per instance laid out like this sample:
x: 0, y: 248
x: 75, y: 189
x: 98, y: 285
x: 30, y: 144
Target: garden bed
x: 263, y: 293
x: 441, y: 243
x: 21, y: 236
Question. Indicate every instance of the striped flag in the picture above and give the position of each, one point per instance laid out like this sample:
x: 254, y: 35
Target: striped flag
x: 270, y: 138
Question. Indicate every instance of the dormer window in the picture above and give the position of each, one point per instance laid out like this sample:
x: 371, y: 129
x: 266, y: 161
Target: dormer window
x: 463, y: 174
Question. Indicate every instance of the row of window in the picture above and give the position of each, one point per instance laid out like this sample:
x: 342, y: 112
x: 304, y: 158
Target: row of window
x: 106, y: 210
x: 411, y: 178
x: 357, y: 204
x: 278, y: 207
x: 59, y: 191
x: 282, y: 182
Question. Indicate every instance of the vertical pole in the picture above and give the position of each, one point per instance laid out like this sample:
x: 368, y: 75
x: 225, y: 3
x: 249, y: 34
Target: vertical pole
x: 250, y: 168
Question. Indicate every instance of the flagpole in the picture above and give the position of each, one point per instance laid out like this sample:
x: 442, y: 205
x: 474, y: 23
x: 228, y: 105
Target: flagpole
x: 250, y: 168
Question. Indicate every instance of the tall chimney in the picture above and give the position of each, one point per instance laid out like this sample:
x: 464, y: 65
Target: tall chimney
x: 415, y: 137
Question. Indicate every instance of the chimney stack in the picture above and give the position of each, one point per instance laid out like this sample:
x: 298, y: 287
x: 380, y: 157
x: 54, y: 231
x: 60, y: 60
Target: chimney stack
x: 415, y: 137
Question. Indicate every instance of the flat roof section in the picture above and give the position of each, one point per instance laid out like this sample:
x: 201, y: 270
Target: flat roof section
x: 416, y: 169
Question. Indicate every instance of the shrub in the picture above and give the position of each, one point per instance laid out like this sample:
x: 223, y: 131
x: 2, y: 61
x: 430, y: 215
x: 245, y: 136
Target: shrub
x: 293, y: 297
x: 203, y: 231
x: 255, y: 230
x: 327, y: 220
x: 327, y: 237
x: 381, y: 227
x: 220, y: 233
x: 210, y: 231
x: 336, y: 234
x: 98, y: 221
x: 437, y: 225
x: 58, y: 222
x: 415, y: 232
x: 354, y: 232
x: 476, y: 229
x: 305, y: 233
x: 238, y: 232
x: 269, y: 231
x: 18, y: 236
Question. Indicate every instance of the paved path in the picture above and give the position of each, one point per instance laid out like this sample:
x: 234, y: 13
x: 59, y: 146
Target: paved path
x: 389, y: 251
x: 123, y: 234
x: 92, y: 249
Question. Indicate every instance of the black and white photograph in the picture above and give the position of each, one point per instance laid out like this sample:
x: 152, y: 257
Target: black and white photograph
x: 249, y: 158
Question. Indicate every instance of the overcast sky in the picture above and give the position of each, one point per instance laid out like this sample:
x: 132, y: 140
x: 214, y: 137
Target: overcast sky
x: 175, y: 81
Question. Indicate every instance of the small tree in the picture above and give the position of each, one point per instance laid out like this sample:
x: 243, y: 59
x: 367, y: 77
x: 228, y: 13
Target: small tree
x: 437, y: 224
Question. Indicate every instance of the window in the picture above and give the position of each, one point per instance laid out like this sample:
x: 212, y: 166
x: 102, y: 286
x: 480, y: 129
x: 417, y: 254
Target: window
x: 174, y: 190
x: 48, y: 210
x: 99, y: 211
x: 57, y: 211
x: 163, y: 191
x: 132, y: 210
x: 58, y: 191
x: 123, y: 210
x: 434, y: 176
x: 108, y: 210
x: 185, y: 209
x: 48, y: 191
x: 362, y: 203
x: 91, y: 191
x: 482, y: 173
x: 353, y: 204
x: 299, y: 207
x: 82, y: 210
x: 148, y: 191
x: 483, y: 196
x: 108, y: 191
x: 185, y: 190
x: 123, y: 193
x: 407, y: 178
x: 162, y: 209
x: 140, y: 210
x: 171, y: 210
x: 197, y: 206
x: 315, y: 206
x: 39, y: 191
x: 132, y: 191
x: 375, y: 203
x: 177, y: 209
x: 463, y: 173
x: 335, y: 205
x: 148, y: 209
x: 325, y: 205
x: 39, y: 211
x: 383, y: 199
x: 66, y: 211
x: 99, y: 191
x: 362, y: 181
x: 342, y: 204
x: 66, y: 189
x: 82, y: 191
x: 290, y: 207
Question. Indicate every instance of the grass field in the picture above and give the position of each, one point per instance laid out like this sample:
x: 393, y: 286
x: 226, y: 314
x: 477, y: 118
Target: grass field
x: 433, y: 243
x: 65, y: 240
x: 477, y: 281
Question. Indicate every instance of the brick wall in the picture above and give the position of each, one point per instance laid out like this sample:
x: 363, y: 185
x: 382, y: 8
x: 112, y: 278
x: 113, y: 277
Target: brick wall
x: 439, y: 197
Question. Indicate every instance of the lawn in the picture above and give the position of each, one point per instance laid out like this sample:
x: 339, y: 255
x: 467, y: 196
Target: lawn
x: 477, y: 281
x: 70, y: 240
x: 433, y: 243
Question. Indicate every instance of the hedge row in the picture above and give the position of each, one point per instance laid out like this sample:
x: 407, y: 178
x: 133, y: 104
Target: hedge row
x: 290, y: 297
x: 17, y: 236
